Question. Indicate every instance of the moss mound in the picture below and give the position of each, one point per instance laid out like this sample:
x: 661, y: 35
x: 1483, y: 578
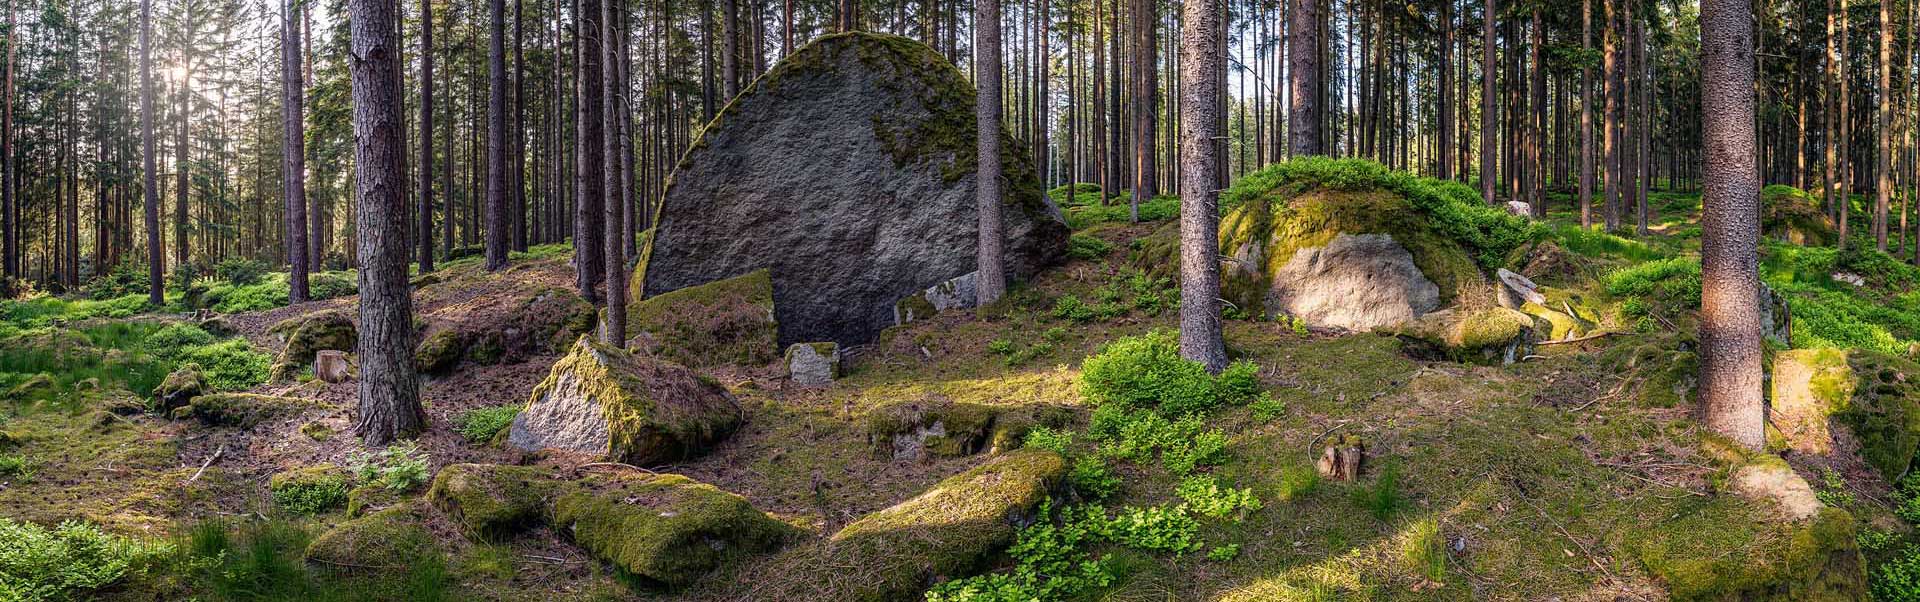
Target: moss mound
x: 665, y: 529
x: 1492, y: 335
x: 916, y: 429
x: 722, y: 322
x: 492, y: 502
x: 1718, y: 549
x: 532, y: 322
x: 1793, y: 216
x: 310, y: 489
x: 310, y: 334
x: 1881, y: 406
x: 241, y: 409
x: 180, y: 387
x: 949, y: 531
x: 386, y: 541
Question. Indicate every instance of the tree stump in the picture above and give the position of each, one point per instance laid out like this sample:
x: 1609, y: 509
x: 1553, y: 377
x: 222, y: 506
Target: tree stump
x: 1340, y: 460
x: 331, y: 366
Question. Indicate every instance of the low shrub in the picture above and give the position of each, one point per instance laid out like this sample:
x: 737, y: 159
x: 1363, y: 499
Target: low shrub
x: 240, y: 270
x: 481, y: 424
x: 68, y: 561
x: 1081, y: 246
x: 400, y: 467
x: 229, y: 365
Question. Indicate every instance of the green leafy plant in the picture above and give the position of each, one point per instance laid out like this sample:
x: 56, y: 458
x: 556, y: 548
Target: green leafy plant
x: 1093, y: 478
x: 68, y: 561
x: 1898, y: 579
x: 16, y: 466
x: 240, y: 270
x: 481, y: 424
x: 174, y: 339
x: 1069, y: 307
x: 1147, y: 371
x: 1050, y: 439
x: 1204, y: 495
x: 400, y: 467
x: 1081, y: 246
x: 1834, y: 491
x: 1224, y: 553
x: 1000, y: 347
x: 229, y: 365
x: 312, y: 496
x: 1266, y: 407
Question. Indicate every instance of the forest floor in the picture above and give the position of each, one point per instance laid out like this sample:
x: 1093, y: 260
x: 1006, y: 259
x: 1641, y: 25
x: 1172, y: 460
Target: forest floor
x: 1562, y: 477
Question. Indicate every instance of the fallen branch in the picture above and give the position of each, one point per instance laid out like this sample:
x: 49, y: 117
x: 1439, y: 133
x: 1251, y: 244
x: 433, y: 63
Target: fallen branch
x: 204, y: 465
x: 1590, y: 337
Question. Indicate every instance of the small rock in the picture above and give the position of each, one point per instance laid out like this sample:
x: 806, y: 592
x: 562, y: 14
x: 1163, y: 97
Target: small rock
x: 1520, y: 208
x: 1775, y: 481
x: 178, y: 389
x: 331, y: 366
x: 813, y: 363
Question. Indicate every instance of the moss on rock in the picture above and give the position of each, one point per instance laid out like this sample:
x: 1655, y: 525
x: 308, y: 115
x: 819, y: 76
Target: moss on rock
x: 439, y: 351
x: 722, y: 322
x: 240, y: 409
x: 665, y: 529
x: 310, y: 334
x: 625, y: 406
x: 1492, y: 335
x: 491, y: 502
x: 1793, y: 216
x: 911, y: 430
x: 388, y: 541
x: 179, y: 388
x: 1724, y: 548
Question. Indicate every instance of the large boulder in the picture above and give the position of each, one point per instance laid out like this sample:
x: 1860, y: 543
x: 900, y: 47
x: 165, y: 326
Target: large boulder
x: 1347, y: 244
x: 847, y: 171
x: 1875, y: 397
x: 1793, y: 216
x: 626, y: 407
x: 501, y: 328
x: 666, y: 528
x: 308, y: 335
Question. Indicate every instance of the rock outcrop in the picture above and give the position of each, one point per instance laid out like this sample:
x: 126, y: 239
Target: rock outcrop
x: 1875, y: 397
x: 1791, y: 215
x: 847, y: 172
x: 625, y: 407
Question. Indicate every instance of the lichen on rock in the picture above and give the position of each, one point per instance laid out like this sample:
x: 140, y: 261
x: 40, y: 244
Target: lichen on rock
x: 1489, y: 335
x: 626, y: 407
x: 813, y: 363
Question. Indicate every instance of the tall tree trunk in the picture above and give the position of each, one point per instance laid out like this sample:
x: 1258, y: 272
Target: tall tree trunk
x: 1586, y: 116
x: 614, y: 331
x: 729, y: 48
x: 517, y: 184
x: 1203, y: 59
x: 9, y: 200
x: 425, y: 211
x: 181, y: 169
x: 389, y: 391
x: 1883, y: 126
x: 156, y: 257
x: 294, y: 149
x: 1845, y: 133
x: 992, y: 281
x: 590, y: 154
x: 1831, y: 184
x: 1145, y: 104
x: 497, y: 139
x: 1040, y: 159
x: 1730, y: 345
x: 1445, y: 69
x: 1304, y: 124
x: 1487, y: 110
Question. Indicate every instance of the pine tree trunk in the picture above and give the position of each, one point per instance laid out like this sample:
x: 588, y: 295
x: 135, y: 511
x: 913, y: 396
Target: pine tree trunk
x: 389, y: 392
x: 294, y: 149
x: 156, y: 256
x: 589, y: 153
x: 1304, y: 131
x: 1883, y: 126
x: 1586, y: 116
x: 1730, y: 346
x: 1203, y: 59
x: 497, y: 138
x: 991, y: 282
x: 424, y: 212
x: 614, y: 331
x: 1487, y: 110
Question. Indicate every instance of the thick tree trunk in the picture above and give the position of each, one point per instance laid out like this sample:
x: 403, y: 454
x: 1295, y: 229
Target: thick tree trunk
x: 589, y: 155
x: 1610, y: 112
x: 1488, y: 171
x: 1304, y: 131
x: 1883, y: 126
x: 1730, y: 346
x: 181, y: 173
x: 156, y: 257
x: 497, y: 139
x: 9, y: 200
x: 1203, y: 59
x: 992, y: 281
x: 425, y: 211
x: 389, y: 392
x: 294, y: 179
x: 614, y: 330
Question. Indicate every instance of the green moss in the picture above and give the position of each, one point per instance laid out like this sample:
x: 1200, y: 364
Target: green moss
x: 950, y: 530
x: 440, y: 351
x: 962, y: 427
x: 1884, y: 410
x: 643, y: 428
x: 316, y: 431
x: 390, y: 540
x: 1791, y: 215
x: 491, y: 502
x: 180, y: 387
x: 1724, y: 549
x: 241, y: 409
x: 722, y: 322
x: 664, y: 529
x: 310, y: 489
x: 372, y: 497
x: 313, y: 333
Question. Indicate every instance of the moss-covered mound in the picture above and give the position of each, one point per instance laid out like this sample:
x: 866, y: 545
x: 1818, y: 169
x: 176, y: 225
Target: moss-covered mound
x: 310, y: 334
x: 179, y: 388
x: 949, y: 531
x: 912, y: 430
x: 847, y: 171
x: 241, y: 409
x: 1721, y: 549
x: 1874, y: 395
x: 1492, y: 335
x: 491, y: 501
x: 310, y: 489
x: 1791, y: 215
x: 625, y: 406
x: 536, y: 321
x: 390, y: 540
x: 1312, y: 203
x: 727, y: 321
x: 665, y: 529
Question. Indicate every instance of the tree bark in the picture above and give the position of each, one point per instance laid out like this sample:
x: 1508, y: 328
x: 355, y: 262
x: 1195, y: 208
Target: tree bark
x: 1487, y: 110
x: 1203, y: 59
x: 1883, y: 126
x: 156, y: 257
x: 1586, y: 116
x: 589, y: 155
x: 1304, y: 132
x: 992, y: 281
x: 389, y: 391
x: 497, y: 139
x: 614, y: 330
x: 425, y: 211
x: 294, y: 148
x: 1145, y: 105
x: 1730, y: 345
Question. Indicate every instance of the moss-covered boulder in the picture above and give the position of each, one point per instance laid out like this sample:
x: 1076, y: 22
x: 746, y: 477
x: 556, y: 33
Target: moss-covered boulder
x: 728, y: 321
x: 499, y: 327
x: 1875, y: 396
x: 949, y: 531
x: 914, y: 430
x: 491, y: 501
x: 1349, y: 244
x: 179, y: 388
x: 310, y: 334
x: 388, y: 541
x: 665, y: 529
x: 1490, y: 335
x: 1791, y: 215
x: 848, y: 172
x: 813, y: 363
x: 626, y: 407
x: 310, y: 489
x: 38, y: 385
x: 1727, y: 548
x: 241, y: 409
x: 439, y: 351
